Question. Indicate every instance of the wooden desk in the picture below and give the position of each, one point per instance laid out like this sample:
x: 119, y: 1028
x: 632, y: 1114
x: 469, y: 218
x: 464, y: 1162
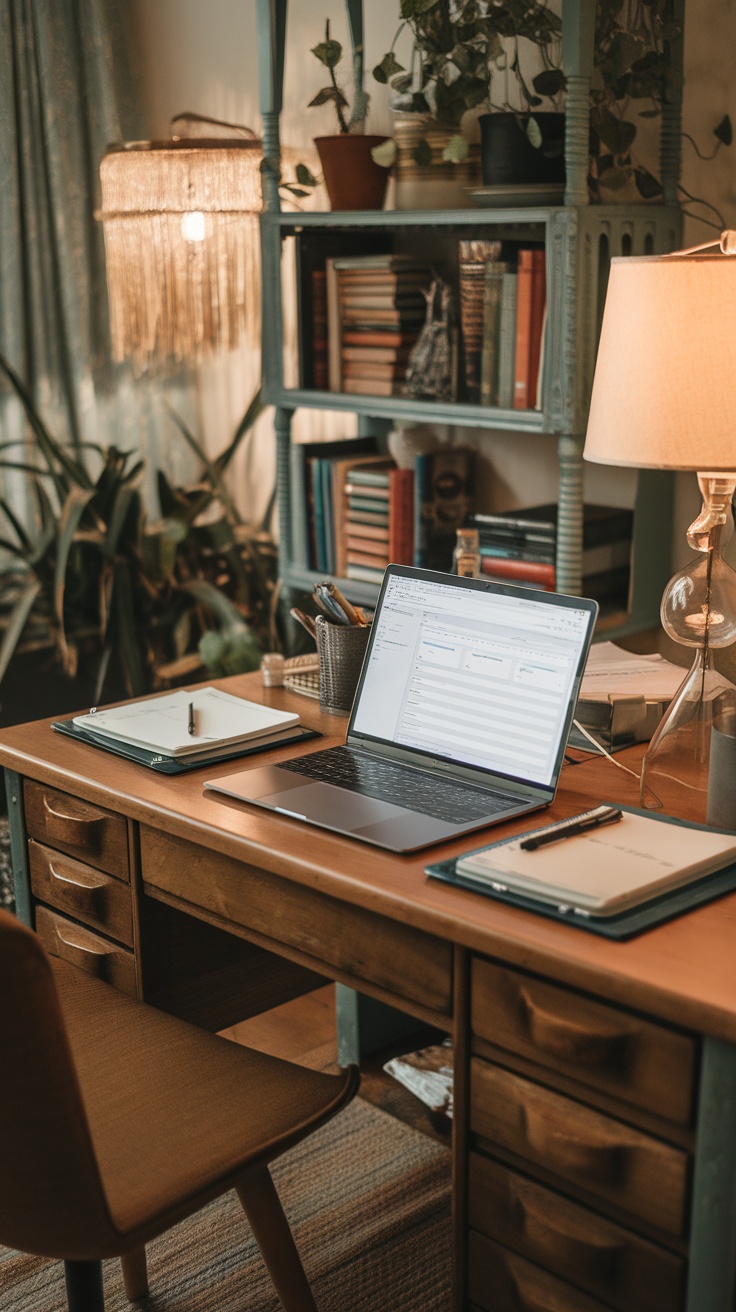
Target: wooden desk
x: 595, y: 1131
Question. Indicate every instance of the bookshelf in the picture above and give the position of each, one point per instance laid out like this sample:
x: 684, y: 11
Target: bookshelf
x: 578, y: 239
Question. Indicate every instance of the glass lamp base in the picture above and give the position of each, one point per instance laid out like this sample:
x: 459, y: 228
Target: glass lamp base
x: 686, y: 767
x: 690, y: 766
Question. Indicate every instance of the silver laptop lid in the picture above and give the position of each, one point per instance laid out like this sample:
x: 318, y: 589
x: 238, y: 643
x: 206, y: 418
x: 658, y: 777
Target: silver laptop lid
x: 479, y: 678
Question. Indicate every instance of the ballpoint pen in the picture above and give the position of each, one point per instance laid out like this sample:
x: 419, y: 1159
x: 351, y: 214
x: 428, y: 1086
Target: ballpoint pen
x: 191, y: 727
x: 607, y: 816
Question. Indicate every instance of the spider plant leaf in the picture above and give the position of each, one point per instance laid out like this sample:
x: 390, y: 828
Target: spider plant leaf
x: 54, y: 454
x: 17, y: 623
x: 13, y: 548
x: 211, y: 469
x: 126, y: 499
x: 252, y: 413
x: 126, y: 630
x: 71, y: 514
x: 215, y: 601
x: 20, y: 531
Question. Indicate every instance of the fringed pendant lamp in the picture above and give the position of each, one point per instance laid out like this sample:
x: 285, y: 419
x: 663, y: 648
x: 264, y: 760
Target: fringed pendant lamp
x: 180, y: 220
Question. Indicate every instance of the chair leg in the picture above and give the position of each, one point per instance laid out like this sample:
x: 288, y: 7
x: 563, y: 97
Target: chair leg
x: 84, y: 1286
x: 263, y: 1209
x: 135, y: 1275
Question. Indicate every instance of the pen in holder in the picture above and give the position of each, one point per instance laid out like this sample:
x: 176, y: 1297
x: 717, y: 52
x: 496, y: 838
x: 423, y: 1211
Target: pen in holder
x: 341, y: 648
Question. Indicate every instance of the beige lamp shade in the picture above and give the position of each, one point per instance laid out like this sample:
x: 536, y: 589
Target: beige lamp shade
x: 664, y: 392
x: 181, y: 225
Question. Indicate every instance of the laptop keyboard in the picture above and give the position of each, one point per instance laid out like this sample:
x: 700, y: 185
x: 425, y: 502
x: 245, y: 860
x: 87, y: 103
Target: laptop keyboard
x: 400, y: 784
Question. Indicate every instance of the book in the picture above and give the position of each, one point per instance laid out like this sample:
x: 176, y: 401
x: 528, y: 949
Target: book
x: 507, y: 341
x: 319, y: 330
x: 341, y: 469
x: 162, y: 724
x: 517, y: 571
x: 443, y: 482
x: 379, y: 561
x: 386, y: 337
x: 365, y: 574
x: 522, y: 391
x: 366, y: 546
x: 491, y: 342
x: 373, y: 386
x: 536, y: 327
x: 366, y: 369
x: 401, y: 516
x: 474, y: 256
x: 606, y: 870
x: 375, y: 355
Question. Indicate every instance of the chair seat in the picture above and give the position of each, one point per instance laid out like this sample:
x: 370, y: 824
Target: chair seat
x: 143, y: 1102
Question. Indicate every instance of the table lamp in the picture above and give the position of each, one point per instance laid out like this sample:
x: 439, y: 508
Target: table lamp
x: 664, y: 397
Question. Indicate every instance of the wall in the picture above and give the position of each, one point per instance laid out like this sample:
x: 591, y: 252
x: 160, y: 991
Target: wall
x: 203, y: 57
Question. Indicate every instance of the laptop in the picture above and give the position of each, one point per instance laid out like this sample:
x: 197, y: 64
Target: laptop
x: 460, y: 720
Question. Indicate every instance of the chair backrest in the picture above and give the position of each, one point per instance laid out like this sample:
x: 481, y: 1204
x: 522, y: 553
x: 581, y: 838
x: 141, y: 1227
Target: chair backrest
x: 51, y: 1197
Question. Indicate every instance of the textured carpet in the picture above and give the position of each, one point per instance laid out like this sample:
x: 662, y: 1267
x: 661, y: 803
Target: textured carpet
x: 368, y: 1200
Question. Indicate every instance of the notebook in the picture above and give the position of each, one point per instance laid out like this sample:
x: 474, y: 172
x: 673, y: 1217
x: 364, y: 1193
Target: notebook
x: 460, y: 718
x: 606, y: 870
x: 187, y: 723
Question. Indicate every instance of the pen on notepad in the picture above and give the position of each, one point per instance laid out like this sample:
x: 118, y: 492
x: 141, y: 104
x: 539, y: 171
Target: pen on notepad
x: 607, y: 817
x: 191, y: 726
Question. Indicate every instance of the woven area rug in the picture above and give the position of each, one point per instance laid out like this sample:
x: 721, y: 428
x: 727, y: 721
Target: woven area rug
x: 368, y: 1200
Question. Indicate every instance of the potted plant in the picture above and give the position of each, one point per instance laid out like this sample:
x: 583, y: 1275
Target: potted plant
x: 353, y: 179
x: 127, y: 600
x: 463, y: 52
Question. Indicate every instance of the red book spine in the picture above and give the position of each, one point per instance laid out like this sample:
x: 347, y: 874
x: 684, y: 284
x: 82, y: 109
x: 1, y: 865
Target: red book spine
x: 401, y: 517
x: 522, y: 379
x: 531, y: 571
x: 539, y: 299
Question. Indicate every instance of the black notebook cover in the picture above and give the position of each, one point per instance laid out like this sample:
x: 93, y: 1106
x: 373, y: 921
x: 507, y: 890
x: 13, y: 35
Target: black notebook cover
x: 179, y: 765
x: 627, y: 923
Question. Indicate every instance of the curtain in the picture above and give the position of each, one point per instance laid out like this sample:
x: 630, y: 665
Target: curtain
x: 66, y: 91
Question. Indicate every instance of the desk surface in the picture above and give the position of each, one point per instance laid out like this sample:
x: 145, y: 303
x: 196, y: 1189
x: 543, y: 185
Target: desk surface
x: 684, y: 971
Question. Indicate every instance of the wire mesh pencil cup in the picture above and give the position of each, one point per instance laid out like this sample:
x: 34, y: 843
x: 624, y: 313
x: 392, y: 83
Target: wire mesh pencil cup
x: 341, y: 648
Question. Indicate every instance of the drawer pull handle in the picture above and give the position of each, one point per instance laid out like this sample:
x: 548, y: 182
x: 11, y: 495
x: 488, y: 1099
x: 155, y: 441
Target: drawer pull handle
x: 83, y: 889
x: 83, y: 951
x: 529, y: 1296
x: 596, y: 1256
x: 75, y: 823
x: 554, y: 1144
x: 561, y: 1037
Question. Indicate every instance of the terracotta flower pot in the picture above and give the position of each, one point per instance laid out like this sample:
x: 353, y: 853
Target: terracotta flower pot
x: 352, y: 179
x: 508, y: 157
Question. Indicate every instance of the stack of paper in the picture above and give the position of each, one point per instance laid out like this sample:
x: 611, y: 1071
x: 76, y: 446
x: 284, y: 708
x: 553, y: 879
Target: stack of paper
x: 191, y: 725
x: 623, y: 695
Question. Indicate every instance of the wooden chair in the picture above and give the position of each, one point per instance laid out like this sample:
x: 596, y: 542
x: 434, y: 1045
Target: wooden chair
x: 118, y: 1121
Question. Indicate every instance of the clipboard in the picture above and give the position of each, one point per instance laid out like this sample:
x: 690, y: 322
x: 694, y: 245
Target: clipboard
x: 179, y: 765
x: 625, y: 925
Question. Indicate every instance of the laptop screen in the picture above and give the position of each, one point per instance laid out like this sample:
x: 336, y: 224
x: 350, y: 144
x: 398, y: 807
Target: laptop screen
x: 480, y: 674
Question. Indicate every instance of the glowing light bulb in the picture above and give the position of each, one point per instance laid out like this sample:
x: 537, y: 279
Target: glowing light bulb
x: 192, y: 226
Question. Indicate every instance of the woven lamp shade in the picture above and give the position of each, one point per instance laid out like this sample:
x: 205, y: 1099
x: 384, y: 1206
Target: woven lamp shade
x: 180, y: 220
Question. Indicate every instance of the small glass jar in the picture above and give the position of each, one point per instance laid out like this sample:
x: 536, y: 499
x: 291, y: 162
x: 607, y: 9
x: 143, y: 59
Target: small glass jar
x: 272, y: 669
x: 466, y: 556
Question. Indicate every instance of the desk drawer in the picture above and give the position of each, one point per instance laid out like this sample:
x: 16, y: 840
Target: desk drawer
x: 501, y: 1281
x: 603, y: 1258
x: 93, y: 834
x: 363, y: 946
x: 648, y: 1065
x: 637, y: 1172
x: 98, y: 899
x: 91, y: 952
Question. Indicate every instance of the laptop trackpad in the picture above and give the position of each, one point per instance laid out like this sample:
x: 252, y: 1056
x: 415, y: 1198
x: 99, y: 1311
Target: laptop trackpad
x: 334, y: 807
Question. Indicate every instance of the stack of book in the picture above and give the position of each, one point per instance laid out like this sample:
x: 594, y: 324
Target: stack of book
x: 519, y: 547
x: 367, y: 520
x: 376, y: 306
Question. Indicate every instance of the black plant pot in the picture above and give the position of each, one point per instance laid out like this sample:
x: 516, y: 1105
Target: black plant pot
x: 508, y: 159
